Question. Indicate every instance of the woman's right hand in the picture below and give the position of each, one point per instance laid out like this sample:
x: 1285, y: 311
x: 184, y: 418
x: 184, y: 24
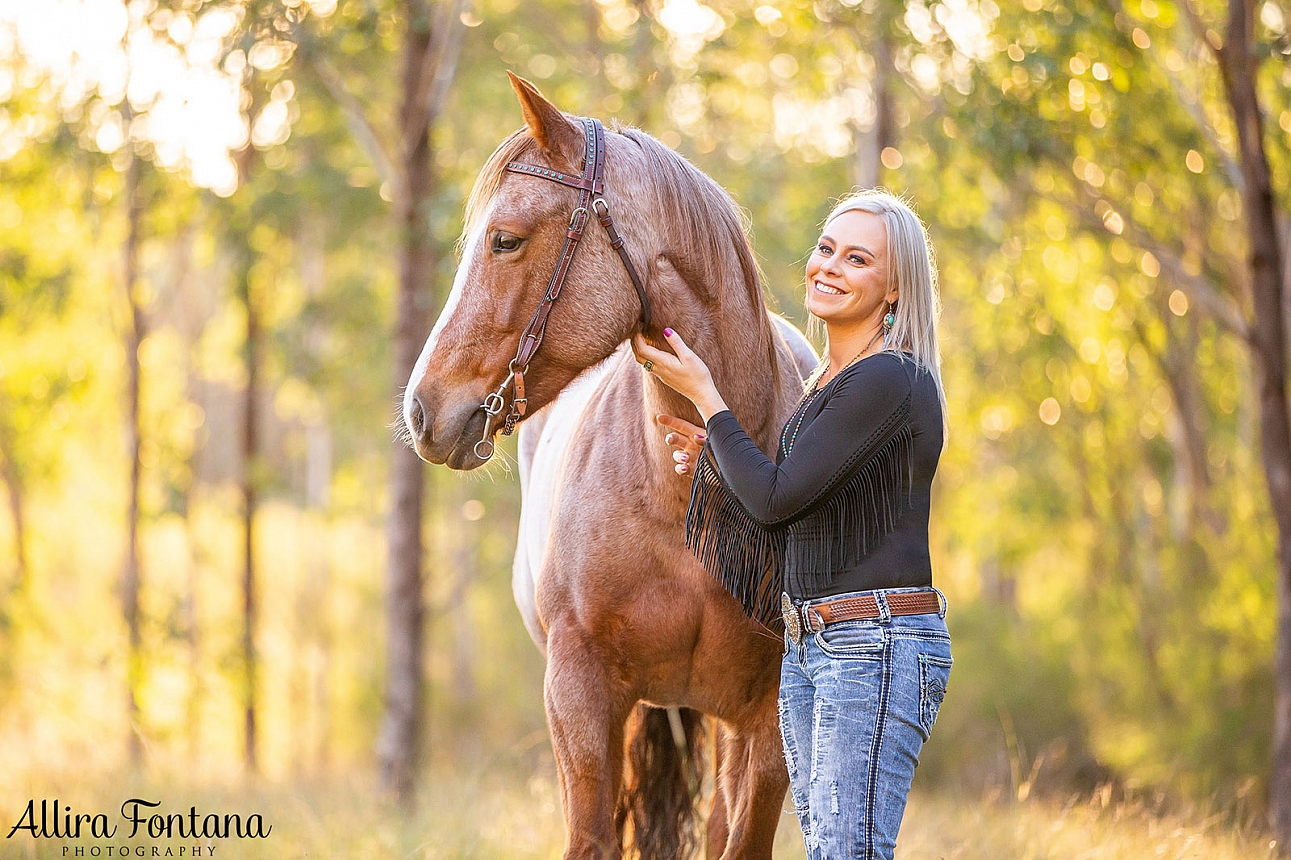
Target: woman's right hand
x: 686, y: 441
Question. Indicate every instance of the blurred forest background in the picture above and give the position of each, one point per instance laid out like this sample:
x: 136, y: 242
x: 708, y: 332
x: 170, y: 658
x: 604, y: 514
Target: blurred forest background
x: 222, y: 223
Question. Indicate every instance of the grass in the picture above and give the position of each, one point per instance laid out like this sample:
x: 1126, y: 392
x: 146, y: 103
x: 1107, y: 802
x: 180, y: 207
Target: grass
x: 945, y: 827
x: 490, y: 814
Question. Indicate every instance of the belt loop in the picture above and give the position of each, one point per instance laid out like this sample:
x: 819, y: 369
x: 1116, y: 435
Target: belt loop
x: 941, y: 599
x: 885, y: 614
x: 810, y: 618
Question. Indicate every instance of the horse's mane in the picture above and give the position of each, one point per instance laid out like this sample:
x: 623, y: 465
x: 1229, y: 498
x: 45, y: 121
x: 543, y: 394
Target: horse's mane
x: 704, y: 219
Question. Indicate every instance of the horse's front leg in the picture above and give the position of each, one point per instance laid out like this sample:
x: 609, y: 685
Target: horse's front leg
x: 751, y: 785
x: 718, y: 825
x: 586, y: 713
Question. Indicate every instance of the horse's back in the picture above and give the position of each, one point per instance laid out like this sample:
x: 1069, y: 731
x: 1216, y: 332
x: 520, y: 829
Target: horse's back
x: 543, y: 445
x: 804, y: 355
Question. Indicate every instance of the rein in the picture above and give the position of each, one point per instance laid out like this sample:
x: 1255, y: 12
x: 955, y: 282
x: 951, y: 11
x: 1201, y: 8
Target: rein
x: 591, y: 188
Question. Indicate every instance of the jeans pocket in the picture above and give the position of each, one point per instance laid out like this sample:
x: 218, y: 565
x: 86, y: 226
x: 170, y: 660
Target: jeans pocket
x: 934, y: 674
x: 852, y: 639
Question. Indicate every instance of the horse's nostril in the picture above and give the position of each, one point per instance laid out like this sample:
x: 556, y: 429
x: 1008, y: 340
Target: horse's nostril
x: 417, y: 417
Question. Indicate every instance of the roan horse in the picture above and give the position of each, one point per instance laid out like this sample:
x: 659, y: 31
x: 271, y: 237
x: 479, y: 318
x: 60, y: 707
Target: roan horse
x: 628, y: 619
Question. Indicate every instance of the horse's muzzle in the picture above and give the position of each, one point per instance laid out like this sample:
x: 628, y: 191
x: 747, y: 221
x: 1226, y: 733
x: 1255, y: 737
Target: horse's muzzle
x: 452, y: 442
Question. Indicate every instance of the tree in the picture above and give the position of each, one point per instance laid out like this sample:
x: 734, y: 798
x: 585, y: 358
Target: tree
x: 402, y: 156
x: 1057, y: 106
x: 136, y: 328
x: 1239, y: 69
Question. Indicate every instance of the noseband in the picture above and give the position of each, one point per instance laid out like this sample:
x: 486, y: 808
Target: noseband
x: 591, y: 188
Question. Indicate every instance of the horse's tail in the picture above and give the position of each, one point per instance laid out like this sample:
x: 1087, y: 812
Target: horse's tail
x: 662, y: 778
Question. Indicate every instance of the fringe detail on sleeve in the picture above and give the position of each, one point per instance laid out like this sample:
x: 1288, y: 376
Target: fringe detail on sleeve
x: 745, y: 557
x: 752, y: 561
x: 857, y: 515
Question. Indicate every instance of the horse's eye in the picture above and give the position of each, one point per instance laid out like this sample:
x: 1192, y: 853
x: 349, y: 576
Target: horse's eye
x: 504, y: 242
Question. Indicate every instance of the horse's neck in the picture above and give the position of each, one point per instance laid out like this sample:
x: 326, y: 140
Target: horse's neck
x: 734, y: 338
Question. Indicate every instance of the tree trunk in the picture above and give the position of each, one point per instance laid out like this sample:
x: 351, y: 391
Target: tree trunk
x: 1239, y: 68
x: 243, y: 222
x: 316, y: 625
x: 1177, y: 363
x: 13, y: 488
x: 870, y: 143
x: 400, y: 738
x: 130, y: 574
x: 314, y: 635
x: 427, y: 71
x: 192, y: 324
x: 193, y: 638
x: 249, y: 445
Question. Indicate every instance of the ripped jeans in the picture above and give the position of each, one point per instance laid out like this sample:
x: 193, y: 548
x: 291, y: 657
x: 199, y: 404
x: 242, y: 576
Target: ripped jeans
x: 857, y: 701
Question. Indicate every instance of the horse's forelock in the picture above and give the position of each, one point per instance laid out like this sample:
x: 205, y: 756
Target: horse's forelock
x: 490, y: 179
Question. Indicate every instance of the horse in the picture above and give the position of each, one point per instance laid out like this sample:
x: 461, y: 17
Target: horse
x: 640, y: 641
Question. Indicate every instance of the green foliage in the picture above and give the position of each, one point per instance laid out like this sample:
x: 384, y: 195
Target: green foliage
x: 1098, y: 523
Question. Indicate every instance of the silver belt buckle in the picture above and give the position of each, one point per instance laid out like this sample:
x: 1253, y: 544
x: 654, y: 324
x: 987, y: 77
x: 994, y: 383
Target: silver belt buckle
x: 792, y: 620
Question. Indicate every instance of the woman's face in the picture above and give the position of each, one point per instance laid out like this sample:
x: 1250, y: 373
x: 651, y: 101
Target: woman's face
x: 847, y: 273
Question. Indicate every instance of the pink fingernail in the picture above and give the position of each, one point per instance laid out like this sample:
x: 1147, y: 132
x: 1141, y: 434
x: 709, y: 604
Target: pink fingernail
x: 700, y: 437
x: 667, y: 332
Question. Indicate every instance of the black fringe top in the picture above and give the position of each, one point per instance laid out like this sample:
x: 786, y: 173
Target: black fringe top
x: 844, y: 507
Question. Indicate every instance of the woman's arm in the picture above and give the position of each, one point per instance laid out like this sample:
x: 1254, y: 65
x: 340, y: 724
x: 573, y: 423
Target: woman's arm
x: 867, y: 405
x: 867, y: 402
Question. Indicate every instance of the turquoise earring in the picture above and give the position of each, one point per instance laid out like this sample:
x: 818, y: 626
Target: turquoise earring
x: 889, y: 319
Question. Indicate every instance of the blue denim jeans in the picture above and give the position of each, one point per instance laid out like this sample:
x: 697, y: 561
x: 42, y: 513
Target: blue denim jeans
x: 857, y: 701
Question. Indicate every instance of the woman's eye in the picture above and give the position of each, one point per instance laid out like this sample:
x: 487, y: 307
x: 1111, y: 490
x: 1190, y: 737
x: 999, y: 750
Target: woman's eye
x: 825, y: 249
x: 857, y: 260
x: 503, y: 242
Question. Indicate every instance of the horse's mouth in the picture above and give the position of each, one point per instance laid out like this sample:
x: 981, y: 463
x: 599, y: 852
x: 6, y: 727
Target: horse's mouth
x: 461, y: 456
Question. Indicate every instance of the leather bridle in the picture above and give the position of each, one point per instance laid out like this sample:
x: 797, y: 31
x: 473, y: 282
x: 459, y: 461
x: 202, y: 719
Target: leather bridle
x: 591, y: 188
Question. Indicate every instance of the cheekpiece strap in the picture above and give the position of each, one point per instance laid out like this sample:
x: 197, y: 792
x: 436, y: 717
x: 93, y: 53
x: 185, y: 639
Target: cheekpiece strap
x: 591, y: 198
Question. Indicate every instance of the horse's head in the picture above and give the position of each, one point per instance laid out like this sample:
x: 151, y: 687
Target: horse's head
x: 516, y: 226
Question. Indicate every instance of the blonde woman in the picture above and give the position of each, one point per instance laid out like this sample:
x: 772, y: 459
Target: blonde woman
x: 841, y: 515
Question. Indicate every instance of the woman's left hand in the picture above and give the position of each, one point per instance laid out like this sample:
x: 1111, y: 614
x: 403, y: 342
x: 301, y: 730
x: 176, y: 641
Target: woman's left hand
x: 686, y: 440
x: 681, y: 370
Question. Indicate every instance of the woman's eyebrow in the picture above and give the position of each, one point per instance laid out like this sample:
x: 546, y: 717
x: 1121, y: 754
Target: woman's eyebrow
x: 825, y: 238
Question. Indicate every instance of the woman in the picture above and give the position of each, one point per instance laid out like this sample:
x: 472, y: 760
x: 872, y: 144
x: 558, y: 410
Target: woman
x: 839, y: 521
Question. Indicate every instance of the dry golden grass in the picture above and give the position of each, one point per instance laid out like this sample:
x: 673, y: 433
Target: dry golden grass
x: 943, y: 827
x: 498, y: 816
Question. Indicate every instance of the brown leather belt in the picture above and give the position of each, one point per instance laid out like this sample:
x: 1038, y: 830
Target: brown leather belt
x: 815, y: 617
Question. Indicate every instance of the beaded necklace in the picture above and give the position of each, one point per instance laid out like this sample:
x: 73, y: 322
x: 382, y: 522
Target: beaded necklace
x: 800, y: 414
x: 787, y: 440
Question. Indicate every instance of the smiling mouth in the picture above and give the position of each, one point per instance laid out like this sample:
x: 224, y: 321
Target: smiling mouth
x: 826, y: 289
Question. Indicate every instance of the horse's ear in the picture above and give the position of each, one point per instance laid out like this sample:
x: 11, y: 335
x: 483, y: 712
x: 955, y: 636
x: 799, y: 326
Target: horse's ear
x: 546, y: 123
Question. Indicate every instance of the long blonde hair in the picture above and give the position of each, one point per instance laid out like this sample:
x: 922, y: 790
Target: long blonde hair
x: 912, y: 268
